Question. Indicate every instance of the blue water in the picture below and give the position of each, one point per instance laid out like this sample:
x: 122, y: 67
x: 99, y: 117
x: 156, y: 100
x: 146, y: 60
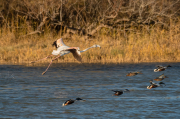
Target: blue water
x: 25, y: 93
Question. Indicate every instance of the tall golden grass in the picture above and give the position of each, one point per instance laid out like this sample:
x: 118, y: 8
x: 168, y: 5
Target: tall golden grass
x: 154, y: 45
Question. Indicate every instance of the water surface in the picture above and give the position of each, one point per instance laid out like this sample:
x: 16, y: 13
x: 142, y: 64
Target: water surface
x: 25, y: 93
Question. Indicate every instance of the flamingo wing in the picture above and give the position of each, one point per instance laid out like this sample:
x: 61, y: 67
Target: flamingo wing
x: 58, y: 43
x: 76, y: 54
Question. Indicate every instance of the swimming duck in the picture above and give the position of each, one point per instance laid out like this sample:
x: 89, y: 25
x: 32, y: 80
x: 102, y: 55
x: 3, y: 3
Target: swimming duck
x: 70, y: 101
x: 154, y: 85
x: 133, y: 73
x: 119, y: 92
x: 161, y: 68
x: 151, y: 86
x: 160, y: 78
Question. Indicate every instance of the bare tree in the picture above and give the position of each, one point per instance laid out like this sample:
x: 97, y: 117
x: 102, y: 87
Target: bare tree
x: 86, y: 17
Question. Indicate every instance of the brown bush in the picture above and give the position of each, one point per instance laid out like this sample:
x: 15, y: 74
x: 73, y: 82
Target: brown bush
x: 86, y: 17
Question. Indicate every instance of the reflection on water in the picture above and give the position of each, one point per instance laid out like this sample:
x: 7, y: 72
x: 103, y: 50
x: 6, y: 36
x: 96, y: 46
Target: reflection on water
x: 25, y: 93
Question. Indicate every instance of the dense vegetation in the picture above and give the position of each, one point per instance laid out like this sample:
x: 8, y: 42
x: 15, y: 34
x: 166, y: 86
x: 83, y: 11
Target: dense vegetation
x: 127, y: 30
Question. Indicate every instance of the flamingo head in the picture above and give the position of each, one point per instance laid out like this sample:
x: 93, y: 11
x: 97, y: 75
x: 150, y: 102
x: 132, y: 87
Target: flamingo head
x: 96, y: 46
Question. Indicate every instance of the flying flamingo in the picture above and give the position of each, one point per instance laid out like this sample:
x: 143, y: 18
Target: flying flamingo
x: 62, y: 49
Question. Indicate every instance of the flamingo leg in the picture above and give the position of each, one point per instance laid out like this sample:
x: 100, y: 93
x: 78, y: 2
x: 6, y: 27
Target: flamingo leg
x: 42, y: 59
x: 50, y: 64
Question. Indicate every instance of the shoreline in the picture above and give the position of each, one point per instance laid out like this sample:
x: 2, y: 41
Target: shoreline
x: 76, y: 62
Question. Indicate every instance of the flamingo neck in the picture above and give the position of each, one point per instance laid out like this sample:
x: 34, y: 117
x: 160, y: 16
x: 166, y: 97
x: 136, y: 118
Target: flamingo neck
x: 86, y: 49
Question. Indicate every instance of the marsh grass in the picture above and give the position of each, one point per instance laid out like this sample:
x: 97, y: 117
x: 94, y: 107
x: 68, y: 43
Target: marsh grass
x: 154, y: 45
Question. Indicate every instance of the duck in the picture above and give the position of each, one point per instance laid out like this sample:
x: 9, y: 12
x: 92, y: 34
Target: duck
x: 133, y: 73
x: 154, y: 85
x: 160, y: 78
x: 70, y: 101
x: 119, y: 92
x: 161, y: 68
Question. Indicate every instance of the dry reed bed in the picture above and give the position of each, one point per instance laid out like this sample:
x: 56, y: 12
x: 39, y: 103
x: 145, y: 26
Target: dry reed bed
x: 156, y: 45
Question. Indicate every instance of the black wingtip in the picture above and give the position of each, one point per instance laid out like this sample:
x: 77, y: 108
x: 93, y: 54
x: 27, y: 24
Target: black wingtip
x: 54, y: 44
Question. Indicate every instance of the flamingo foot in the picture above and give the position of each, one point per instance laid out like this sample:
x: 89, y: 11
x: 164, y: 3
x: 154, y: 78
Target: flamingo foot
x: 43, y: 72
